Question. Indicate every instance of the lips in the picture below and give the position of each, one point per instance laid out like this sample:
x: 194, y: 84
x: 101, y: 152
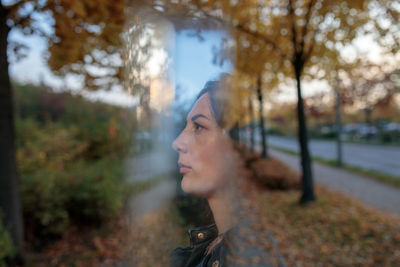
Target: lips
x: 184, y: 168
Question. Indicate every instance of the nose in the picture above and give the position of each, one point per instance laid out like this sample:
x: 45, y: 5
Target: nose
x: 178, y: 145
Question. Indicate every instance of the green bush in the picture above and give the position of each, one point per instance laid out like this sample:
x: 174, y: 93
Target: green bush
x: 69, y: 154
x: 106, y: 129
x: 96, y: 190
x: 49, y: 145
x: 6, y: 245
x: 44, y: 194
x: 86, y: 192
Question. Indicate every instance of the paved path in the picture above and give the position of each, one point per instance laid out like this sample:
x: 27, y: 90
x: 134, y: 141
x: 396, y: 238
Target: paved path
x: 153, y: 199
x: 145, y: 167
x: 384, y: 159
x: 370, y: 192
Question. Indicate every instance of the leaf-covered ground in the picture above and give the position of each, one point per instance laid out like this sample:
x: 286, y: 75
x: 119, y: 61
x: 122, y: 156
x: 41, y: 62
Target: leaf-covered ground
x: 85, y: 246
x: 334, y: 231
x: 119, y: 242
x: 150, y: 241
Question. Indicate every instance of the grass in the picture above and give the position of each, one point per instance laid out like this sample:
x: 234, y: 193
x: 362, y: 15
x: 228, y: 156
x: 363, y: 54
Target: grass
x: 372, y: 141
x: 378, y: 176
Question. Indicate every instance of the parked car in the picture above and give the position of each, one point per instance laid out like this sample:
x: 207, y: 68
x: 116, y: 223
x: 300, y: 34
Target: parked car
x: 392, y: 127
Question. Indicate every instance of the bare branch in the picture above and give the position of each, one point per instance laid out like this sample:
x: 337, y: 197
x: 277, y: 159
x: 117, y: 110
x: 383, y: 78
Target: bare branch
x: 305, y: 28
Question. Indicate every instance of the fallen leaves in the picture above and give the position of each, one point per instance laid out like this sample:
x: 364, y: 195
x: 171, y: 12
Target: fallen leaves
x: 336, y: 230
x: 83, y: 246
x: 151, y: 240
x: 107, y: 247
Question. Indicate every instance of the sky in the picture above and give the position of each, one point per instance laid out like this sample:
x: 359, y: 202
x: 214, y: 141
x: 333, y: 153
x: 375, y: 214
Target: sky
x: 191, y: 63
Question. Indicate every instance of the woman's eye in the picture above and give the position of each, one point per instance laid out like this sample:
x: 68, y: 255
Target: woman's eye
x: 198, y: 127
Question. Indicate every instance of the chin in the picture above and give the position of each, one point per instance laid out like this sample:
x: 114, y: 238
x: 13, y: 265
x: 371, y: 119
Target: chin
x: 194, y: 186
x: 187, y: 185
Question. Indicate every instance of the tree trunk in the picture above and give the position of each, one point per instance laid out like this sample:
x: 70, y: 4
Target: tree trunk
x: 262, y: 128
x: 251, y: 111
x: 339, y: 160
x: 9, y: 190
x: 307, y: 178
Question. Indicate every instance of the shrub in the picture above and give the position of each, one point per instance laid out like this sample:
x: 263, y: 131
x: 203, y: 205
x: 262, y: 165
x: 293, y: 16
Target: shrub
x: 87, y: 192
x: 6, y: 246
x: 44, y: 194
x: 271, y: 173
x: 96, y: 190
x: 50, y: 145
x: 69, y: 154
x: 274, y: 175
x: 106, y: 129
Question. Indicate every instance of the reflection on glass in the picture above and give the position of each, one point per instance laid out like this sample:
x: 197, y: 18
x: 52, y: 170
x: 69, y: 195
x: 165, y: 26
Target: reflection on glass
x: 213, y: 169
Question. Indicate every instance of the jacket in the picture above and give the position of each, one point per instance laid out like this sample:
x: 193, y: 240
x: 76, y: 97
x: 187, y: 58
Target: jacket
x: 231, y: 251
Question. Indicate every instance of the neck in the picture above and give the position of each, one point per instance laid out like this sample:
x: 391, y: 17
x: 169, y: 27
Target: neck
x: 223, y: 209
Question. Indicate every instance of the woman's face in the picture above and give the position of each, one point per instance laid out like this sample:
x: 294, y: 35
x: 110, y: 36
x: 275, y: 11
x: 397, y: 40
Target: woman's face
x: 205, y: 152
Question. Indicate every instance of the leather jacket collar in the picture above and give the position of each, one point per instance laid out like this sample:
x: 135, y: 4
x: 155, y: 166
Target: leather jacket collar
x: 202, y: 234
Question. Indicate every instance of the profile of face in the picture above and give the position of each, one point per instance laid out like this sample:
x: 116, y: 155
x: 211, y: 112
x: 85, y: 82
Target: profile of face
x: 205, y: 152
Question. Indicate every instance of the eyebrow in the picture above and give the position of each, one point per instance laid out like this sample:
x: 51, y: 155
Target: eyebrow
x: 195, y: 117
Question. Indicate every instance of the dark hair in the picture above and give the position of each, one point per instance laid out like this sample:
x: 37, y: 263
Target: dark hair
x: 218, y: 100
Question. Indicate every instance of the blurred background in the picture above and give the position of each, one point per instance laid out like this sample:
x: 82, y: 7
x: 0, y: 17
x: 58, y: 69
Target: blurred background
x: 92, y: 94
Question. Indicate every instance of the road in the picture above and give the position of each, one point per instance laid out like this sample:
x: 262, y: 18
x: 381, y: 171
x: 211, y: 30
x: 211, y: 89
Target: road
x: 383, y: 159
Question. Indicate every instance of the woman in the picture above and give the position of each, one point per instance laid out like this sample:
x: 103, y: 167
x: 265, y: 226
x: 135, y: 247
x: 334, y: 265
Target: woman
x: 211, y: 166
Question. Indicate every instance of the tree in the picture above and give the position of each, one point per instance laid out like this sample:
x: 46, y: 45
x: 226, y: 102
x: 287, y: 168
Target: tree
x: 303, y: 38
x: 84, y: 38
x: 368, y: 87
x: 252, y: 128
x: 9, y: 197
x: 261, y: 117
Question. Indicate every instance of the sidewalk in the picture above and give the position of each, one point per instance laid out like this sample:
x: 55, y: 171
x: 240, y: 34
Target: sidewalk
x: 146, y: 167
x: 370, y: 192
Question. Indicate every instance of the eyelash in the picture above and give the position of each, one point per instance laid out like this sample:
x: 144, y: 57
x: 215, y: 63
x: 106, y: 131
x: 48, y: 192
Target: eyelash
x: 198, y: 127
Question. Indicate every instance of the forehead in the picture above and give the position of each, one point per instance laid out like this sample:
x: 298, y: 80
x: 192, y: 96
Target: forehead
x: 202, y: 106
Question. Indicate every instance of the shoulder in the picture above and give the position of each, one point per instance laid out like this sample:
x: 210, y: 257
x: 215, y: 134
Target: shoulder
x: 243, y: 245
x: 240, y: 246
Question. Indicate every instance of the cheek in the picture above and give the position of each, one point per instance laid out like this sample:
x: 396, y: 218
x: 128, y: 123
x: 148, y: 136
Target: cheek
x: 212, y: 161
x: 212, y: 165
x: 207, y: 155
